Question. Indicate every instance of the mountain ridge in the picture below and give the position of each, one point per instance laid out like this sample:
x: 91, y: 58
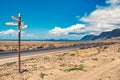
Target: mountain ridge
x: 103, y: 35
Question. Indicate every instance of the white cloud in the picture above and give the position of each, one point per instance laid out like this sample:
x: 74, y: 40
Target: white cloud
x: 104, y: 18
x: 12, y: 33
x: 57, y: 31
x: 9, y: 32
x: 29, y: 35
x: 113, y: 2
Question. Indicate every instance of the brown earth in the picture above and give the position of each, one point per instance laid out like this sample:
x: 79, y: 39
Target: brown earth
x: 32, y: 45
x: 98, y: 63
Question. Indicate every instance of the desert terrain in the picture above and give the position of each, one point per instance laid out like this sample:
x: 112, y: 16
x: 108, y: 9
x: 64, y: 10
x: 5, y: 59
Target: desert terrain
x: 32, y: 45
x: 6, y: 46
x: 100, y: 62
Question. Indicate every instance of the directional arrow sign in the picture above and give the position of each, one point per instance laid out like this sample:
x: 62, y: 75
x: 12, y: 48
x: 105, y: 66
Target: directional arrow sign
x: 14, y: 18
x: 16, y: 24
x: 11, y: 23
x: 24, y: 26
x: 22, y: 23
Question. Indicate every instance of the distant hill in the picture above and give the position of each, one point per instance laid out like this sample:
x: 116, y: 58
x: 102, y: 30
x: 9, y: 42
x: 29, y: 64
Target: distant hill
x: 104, y: 35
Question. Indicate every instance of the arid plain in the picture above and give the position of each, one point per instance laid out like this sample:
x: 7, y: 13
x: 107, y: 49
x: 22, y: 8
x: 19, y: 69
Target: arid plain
x: 101, y: 62
x: 32, y: 45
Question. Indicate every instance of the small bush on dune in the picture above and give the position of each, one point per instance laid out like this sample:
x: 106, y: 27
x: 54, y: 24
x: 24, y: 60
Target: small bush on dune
x: 95, y: 59
x: 42, y: 75
x: 72, y: 54
x: 9, y: 64
x: 24, y: 78
x: 60, y: 58
x: 40, y: 47
x: 46, y: 59
x: 118, y: 50
x: 1, y: 50
x: 80, y: 67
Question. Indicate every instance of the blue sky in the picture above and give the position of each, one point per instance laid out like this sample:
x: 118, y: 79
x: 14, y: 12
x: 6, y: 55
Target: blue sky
x: 55, y: 19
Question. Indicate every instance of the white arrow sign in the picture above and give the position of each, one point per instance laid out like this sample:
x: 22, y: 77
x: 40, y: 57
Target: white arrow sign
x: 16, y: 24
x: 11, y: 23
x: 24, y: 26
x: 14, y: 18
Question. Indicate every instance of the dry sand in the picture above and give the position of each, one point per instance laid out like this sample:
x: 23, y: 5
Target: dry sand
x: 98, y: 63
x: 32, y: 45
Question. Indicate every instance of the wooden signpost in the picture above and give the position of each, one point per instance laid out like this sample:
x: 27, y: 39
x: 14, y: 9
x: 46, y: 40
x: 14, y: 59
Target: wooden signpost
x: 20, y: 26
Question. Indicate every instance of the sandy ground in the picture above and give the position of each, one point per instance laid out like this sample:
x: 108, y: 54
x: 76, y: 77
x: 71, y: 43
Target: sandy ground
x: 32, y: 45
x: 98, y: 63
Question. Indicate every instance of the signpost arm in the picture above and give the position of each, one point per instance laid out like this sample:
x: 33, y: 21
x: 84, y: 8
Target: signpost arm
x: 19, y: 42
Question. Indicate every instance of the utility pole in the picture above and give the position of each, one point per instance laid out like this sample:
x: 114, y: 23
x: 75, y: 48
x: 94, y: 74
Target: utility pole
x: 20, y: 25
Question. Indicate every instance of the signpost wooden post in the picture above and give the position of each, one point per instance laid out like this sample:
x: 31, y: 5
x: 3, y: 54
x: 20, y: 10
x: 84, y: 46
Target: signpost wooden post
x: 19, y: 42
x: 20, y: 26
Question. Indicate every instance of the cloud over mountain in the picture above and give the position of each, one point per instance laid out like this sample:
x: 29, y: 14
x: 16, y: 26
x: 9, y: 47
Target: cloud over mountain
x: 113, y: 2
x: 104, y: 18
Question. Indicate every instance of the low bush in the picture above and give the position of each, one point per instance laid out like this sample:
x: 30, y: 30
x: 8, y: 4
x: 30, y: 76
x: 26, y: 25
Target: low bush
x: 80, y: 67
x: 1, y: 50
x: 42, y: 75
